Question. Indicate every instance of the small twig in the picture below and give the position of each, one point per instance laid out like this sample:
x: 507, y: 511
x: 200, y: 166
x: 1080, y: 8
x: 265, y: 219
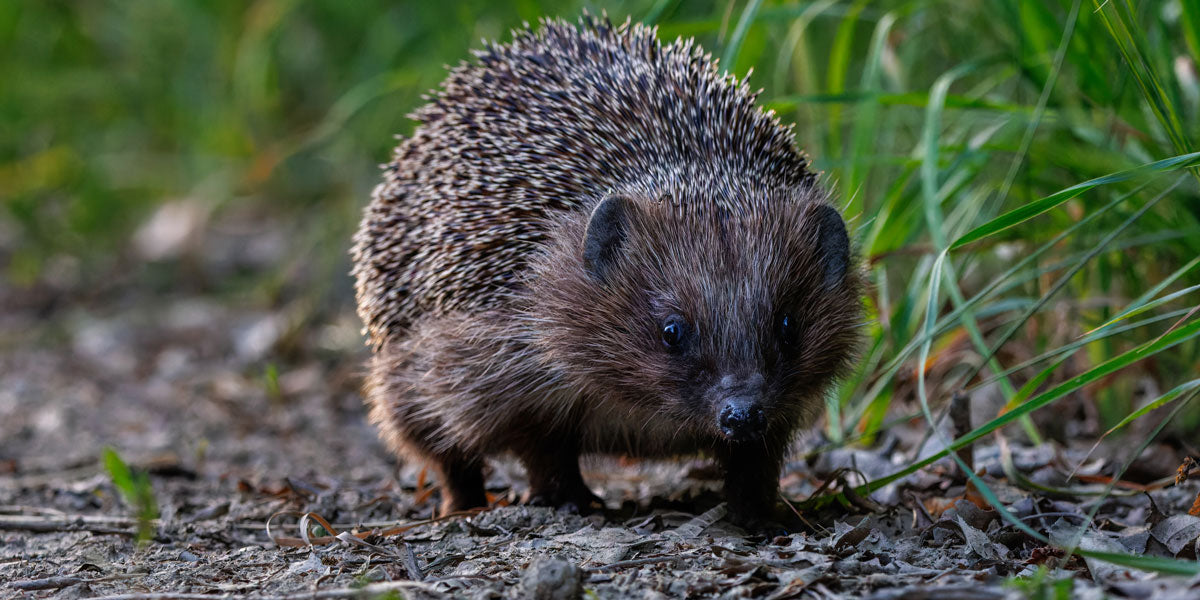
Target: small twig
x: 393, y: 527
x: 51, y: 478
x: 40, y: 524
x: 54, y: 583
x: 24, y: 522
x: 21, y: 509
x: 829, y: 479
x: 621, y: 564
x: 788, y: 503
x: 863, y: 503
x: 912, y: 497
x: 48, y: 583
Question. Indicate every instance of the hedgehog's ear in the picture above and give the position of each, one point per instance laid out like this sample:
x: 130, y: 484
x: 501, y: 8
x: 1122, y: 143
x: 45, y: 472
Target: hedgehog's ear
x: 605, y: 232
x: 834, y: 243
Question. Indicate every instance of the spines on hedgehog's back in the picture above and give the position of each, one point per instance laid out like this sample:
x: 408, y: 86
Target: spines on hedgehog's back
x: 550, y: 121
x: 673, y: 99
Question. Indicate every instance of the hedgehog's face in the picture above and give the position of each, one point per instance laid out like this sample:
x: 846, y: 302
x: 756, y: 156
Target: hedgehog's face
x: 730, y: 324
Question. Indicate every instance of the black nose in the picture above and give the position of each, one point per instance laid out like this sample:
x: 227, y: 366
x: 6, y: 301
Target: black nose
x: 741, y: 419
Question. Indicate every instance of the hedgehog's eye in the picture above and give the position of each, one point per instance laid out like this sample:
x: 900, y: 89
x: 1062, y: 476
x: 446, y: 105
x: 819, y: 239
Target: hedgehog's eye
x: 788, y: 333
x: 673, y: 331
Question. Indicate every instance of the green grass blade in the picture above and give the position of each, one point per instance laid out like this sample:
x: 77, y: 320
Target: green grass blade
x: 135, y: 489
x: 1097, y: 334
x: 1043, y: 99
x: 1158, y: 402
x: 1118, y: 16
x: 730, y: 54
x: 917, y: 99
x: 1189, y: 18
x: 657, y: 10
x: 839, y: 65
x: 1143, y: 307
x: 932, y: 203
x: 866, y: 118
x: 929, y: 143
x: 120, y: 474
x: 1028, y: 211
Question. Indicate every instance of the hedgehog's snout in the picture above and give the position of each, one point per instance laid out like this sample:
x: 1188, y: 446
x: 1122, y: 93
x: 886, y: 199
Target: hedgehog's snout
x: 740, y: 414
x: 742, y: 419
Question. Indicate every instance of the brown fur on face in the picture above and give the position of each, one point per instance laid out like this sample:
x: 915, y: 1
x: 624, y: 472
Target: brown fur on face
x: 732, y: 275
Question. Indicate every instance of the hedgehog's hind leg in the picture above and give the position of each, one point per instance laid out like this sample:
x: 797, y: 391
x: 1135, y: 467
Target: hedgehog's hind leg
x: 411, y: 427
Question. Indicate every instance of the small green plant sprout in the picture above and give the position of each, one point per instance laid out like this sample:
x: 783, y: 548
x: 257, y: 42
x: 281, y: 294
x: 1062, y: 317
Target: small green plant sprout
x: 1043, y: 585
x: 134, y: 488
x: 271, y: 382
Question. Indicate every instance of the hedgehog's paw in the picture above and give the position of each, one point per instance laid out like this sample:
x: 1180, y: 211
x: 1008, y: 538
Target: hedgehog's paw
x: 462, y: 482
x: 555, y: 480
x: 770, y: 523
x: 576, y: 499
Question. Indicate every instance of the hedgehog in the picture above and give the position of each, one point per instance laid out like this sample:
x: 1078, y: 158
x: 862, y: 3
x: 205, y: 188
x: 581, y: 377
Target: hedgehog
x: 595, y: 243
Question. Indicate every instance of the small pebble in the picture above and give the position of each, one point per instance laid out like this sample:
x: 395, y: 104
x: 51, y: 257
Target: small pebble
x: 552, y: 579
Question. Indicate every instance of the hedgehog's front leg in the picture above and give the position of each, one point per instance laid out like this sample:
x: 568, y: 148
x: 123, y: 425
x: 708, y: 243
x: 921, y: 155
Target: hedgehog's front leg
x: 752, y: 484
x: 554, y: 477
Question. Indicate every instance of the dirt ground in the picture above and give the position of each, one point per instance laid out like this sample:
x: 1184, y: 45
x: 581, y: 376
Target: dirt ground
x: 248, y: 419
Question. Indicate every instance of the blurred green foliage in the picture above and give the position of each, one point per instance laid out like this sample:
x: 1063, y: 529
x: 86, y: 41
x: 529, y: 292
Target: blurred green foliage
x: 928, y: 117
x: 110, y: 108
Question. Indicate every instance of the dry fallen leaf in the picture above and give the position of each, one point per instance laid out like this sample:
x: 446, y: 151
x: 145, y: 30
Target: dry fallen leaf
x: 936, y: 506
x: 1185, y: 470
x: 978, y: 541
x: 1177, y: 531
